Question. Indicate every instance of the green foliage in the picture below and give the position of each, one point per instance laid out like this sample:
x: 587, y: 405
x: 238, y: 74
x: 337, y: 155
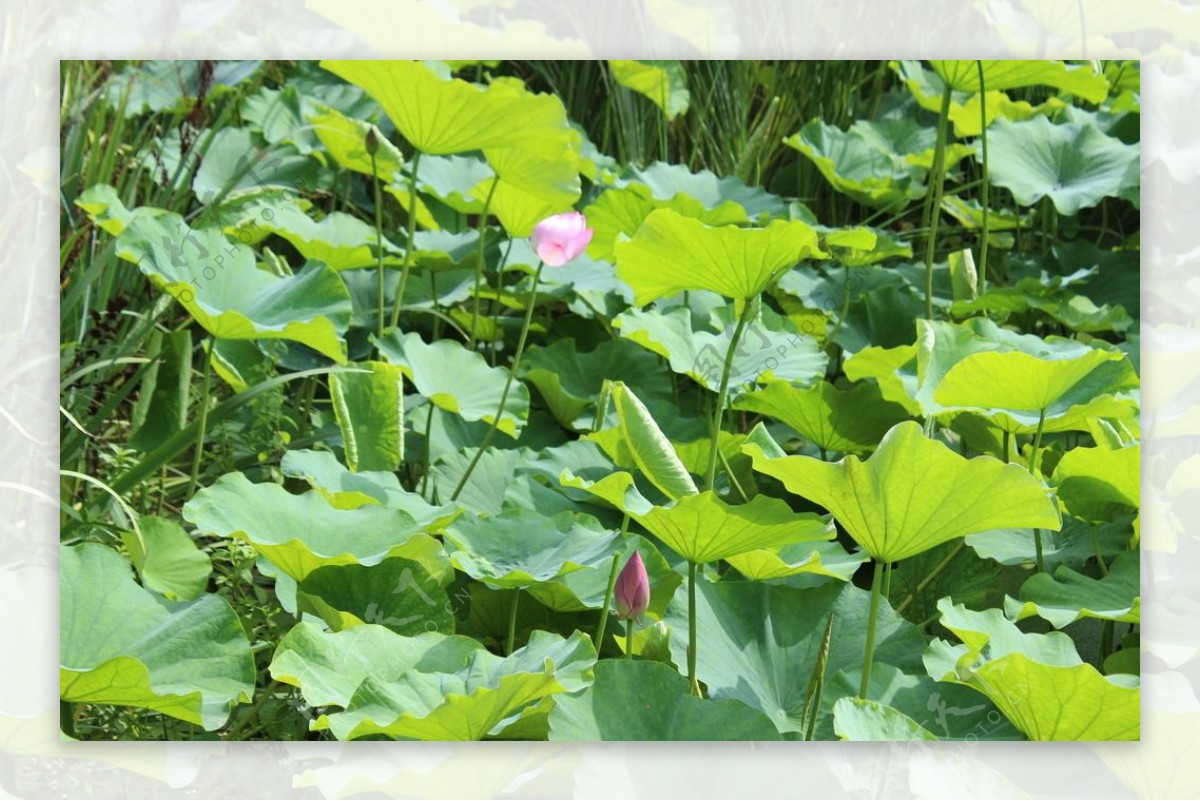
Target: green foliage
x: 360, y: 554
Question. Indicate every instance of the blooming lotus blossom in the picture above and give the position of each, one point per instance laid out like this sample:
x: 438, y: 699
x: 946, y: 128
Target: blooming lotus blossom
x: 632, y: 590
x: 561, y: 238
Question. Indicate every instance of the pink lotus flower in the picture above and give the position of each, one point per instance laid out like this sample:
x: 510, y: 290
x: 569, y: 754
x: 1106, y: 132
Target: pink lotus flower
x: 633, y: 589
x: 560, y: 238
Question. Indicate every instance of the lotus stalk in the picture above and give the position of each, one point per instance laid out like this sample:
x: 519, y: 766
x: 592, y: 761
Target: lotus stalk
x: 557, y: 240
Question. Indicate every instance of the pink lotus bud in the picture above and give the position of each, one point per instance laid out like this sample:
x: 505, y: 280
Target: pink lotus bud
x: 560, y: 238
x: 633, y: 588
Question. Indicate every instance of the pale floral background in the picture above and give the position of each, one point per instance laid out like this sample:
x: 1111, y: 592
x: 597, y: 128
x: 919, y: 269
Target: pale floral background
x: 35, y: 34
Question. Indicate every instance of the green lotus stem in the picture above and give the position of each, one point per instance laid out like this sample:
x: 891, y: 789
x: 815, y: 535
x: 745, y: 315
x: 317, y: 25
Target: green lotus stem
x: 203, y: 429
x: 887, y: 581
x: 1007, y: 441
x: 428, y: 452
x: 719, y: 415
x: 608, y: 596
x: 378, y: 244
x: 629, y: 639
x: 816, y: 682
x: 516, y: 363
x: 408, y: 243
x: 1034, y: 462
x: 981, y: 278
x: 487, y: 204
x: 691, y: 653
x: 872, y: 620
x: 512, y: 623
x: 939, y: 158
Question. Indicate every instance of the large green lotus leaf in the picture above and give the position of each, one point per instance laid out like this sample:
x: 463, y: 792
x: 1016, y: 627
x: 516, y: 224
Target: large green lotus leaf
x: 235, y: 163
x: 850, y: 421
x: 300, y: 533
x: 816, y: 558
x: 712, y: 199
x: 466, y: 703
x: 914, y: 493
x: 345, y: 138
x: 1079, y: 80
x: 859, y: 168
x: 443, y: 117
x: 672, y: 253
x: 1076, y: 165
x: 650, y: 701
x: 1073, y: 546
x: 675, y: 182
x: 769, y: 348
x: 947, y: 711
x: 340, y: 240
x: 703, y: 528
x: 1095, y: 484
x: 648, y: 447
x: 622, y: 211
x: 914, y: 143
x: 870, y: 721
x: 120, y: 644
x: 1012, y: 378
x: 329, y: 666
x: 1037, y: 680
x: 521, y: 547
x: 217, y: 281
x: 279, y: 115
x: 1068, y: 596
x: 106, y: 210
x: 926, y: 87
x: 396, y: 593
x: 369, y: 407
x: 759, y: 642
x: 167, y: 559
x: 457, y: 380
x: 664, y: 83
x: 585, y: 588
x: 344, y: 489
x: 570, y: 381
x: 525, y: 137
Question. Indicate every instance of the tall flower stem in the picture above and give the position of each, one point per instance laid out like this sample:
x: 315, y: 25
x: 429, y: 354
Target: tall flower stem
x: 1034, y: 467
x: 935, y: 211
x: 409, y: 245
x: 608, y: 596
x: 629, y: 638
x: 379, y: 244
x: 710, y: 474
x: 981, y: 278
x: 691, y: 653
x: 710, y: 478
x: 483, y: 217
x: 203, y: 427
x: 512, y: 372
x: 872, y: 620
x: 608, y: 590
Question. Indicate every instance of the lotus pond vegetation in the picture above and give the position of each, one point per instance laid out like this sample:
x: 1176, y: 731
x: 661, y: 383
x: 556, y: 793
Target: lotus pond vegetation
x: 612, y: 400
